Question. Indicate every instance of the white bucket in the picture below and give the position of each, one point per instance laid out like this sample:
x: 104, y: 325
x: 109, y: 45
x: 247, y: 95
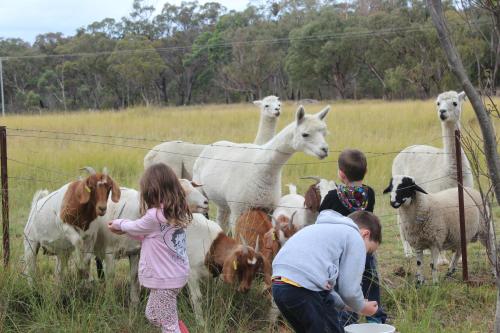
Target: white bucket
x: 369, y: 328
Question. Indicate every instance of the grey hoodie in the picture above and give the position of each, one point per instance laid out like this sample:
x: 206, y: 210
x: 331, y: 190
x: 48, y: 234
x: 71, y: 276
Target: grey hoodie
x: 323, y: 254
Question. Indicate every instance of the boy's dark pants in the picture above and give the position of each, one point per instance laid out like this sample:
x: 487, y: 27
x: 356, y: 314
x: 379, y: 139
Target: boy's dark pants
x: 371, y: 291
x: 306, y: 310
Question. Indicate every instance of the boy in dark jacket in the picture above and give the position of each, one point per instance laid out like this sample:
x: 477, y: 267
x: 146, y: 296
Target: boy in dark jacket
x: 351, y: 196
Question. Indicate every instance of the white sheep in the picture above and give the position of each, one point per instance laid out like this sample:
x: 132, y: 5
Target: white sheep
x: 431, y: 221
x: 180, y: 156
x: 435, y: 169
x: 237, y: 177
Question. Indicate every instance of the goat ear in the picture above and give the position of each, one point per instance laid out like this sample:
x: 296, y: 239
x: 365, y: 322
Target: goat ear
x: 418, y: 188
x: 115, y: 190
x: 388, y: 188
x: 462, y: 96
x: 269, y: 238
x: 257, y: 103
x: 195, y: 184
x: 312, y: 199
x: 300, y: 114
x: 322, y: 114
x: 82, y: 192
x: 230, y: 267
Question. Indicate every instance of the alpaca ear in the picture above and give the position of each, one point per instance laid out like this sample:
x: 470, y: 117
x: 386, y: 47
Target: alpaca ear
x: 257, y: 103
x: 322, y: 114
x: 300, y: 114
x: 82, y: 192
x: 389, y: 188
x: 418, y: 188
x: 115, y: 190
x: 462, y: 96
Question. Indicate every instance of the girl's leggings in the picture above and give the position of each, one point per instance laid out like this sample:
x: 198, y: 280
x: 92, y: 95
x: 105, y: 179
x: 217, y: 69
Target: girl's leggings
x: 161, y: 309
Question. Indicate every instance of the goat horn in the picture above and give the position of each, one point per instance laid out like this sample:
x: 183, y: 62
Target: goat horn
x: 290, y: 223
x: 316, y: 178
x: 89, y: 170
x: 245, y: 244
x: 257, y: 244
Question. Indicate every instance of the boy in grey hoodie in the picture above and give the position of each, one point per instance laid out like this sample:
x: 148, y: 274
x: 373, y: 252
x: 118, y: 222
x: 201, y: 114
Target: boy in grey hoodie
x: 314, y: 260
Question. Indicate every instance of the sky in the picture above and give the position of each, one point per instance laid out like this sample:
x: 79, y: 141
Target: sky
x: 26, y: 19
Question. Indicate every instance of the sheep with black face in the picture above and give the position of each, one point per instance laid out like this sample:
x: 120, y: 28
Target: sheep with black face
x: 431, y: 221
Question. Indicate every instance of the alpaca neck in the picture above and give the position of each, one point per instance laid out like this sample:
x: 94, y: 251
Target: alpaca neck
x: 266, y: 130
x: 278, y: 150
x: 449, y: 147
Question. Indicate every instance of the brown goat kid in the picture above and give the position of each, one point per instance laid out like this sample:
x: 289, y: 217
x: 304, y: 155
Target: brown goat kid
x: 232, y: 259
x: 88, y: 198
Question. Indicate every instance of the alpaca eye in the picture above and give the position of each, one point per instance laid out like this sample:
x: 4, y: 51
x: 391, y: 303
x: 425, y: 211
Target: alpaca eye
x: 305, y: 135
x: 455, y: 104
x: 438, y: 103
x: 266, y: 106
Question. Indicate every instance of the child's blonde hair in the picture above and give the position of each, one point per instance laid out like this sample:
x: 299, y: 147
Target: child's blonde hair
x: 161, y: 187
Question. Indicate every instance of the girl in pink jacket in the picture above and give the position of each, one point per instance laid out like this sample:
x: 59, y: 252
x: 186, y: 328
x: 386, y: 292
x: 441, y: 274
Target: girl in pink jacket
x: 163, y: 266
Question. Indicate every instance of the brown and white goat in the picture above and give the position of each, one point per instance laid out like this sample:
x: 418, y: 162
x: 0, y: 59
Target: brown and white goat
x: 60, y: 222
x: 211, y: 252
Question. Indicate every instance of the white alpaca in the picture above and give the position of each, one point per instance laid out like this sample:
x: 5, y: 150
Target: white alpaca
x: 435, y: 169
x: 180, y: 156
x: 241, y: 176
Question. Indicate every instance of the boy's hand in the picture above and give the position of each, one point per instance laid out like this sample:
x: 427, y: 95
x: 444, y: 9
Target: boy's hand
x: 370, y: 308
x: 113, y: 230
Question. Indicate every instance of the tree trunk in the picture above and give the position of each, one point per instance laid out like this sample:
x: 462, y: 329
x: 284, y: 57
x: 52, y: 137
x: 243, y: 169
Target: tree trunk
x: 454, y: 61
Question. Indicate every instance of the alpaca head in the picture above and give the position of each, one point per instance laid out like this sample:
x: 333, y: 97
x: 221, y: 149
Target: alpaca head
x: 403, y: 190
x: 309, y: 133
x: 449, y: 106
x: 270, y: 106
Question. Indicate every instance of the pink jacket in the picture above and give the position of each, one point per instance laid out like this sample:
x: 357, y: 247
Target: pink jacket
x: 164, y: 263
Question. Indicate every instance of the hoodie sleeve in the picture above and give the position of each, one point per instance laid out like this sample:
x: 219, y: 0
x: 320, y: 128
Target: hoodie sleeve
x: 351, y: 267
x: 137, y: 229
x: 337, y: 300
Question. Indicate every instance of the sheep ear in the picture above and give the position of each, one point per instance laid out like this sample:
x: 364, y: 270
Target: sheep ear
x: 418, y: 188
x: 322, y: 114
x: 257, y: 103
x: 389, y: 188
x: 462, y: 96
x: 82, y: 192
x: 300, y: 114
x: 115, y: 190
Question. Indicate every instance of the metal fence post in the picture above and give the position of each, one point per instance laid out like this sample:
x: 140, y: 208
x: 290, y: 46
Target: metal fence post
x: 458, y: 150
x: 5, y: 195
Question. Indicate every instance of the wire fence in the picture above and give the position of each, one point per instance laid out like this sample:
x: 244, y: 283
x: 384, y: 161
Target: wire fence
x: 60, y: 176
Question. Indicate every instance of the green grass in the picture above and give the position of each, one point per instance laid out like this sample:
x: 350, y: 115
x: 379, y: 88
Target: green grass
x: 372, y: 126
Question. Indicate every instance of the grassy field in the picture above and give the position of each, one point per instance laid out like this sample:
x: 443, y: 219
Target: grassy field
x: 42, y: 159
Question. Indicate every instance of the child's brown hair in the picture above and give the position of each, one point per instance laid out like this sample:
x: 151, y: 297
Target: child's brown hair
x: 353, y: 164
x: 369, y: 221
x: 160, y: 186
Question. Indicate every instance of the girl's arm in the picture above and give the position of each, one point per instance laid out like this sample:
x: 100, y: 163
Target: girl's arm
x: 136, y: 229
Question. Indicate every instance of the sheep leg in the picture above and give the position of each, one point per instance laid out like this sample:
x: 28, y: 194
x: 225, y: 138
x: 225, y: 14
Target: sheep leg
x: 133, y: 260
x: 31, y: 249
x: 406, y: 246
x: 442, y: 260
x: 453, y: 264
x: 420, y: 263
x: 434, y: 264
x: 195, y: 296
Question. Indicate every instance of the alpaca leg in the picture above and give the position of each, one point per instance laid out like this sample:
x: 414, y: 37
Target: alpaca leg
x: 195, y: 296
x: 31, y: 249
x: 434, y: 264
x: 453, y: 264
x: 420, y: 263
x: 236, y: 211
x: 406, y: 246
x: 222, y: 217
x: 442, y: 260
x: 134, y: 279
